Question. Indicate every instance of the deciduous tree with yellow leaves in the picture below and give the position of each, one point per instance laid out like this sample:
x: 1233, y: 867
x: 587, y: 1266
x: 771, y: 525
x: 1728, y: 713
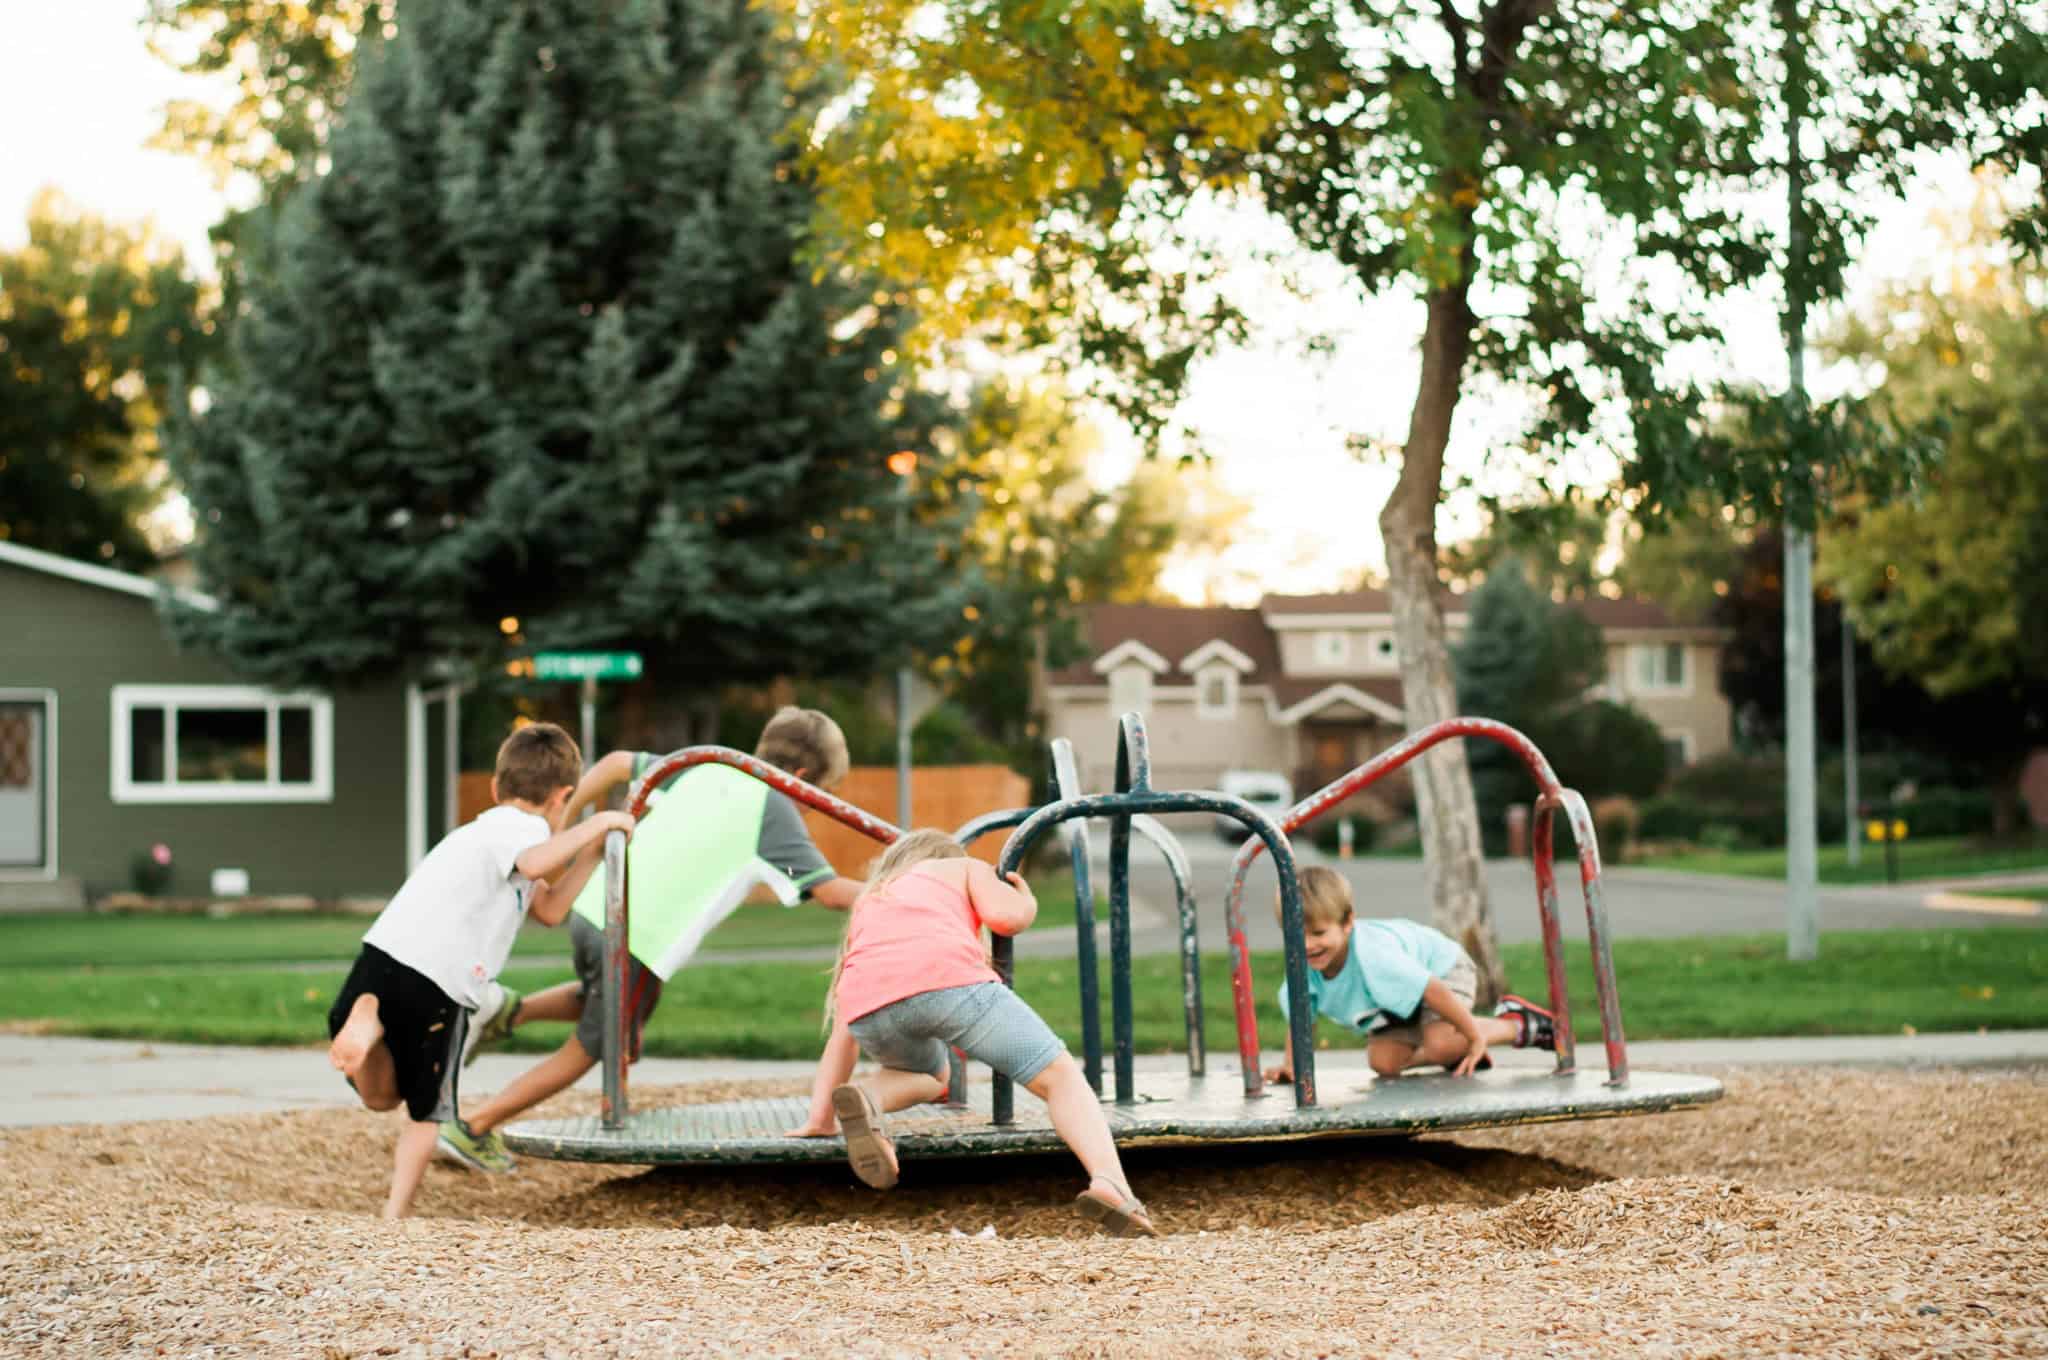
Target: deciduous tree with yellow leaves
x: 1561, y: 188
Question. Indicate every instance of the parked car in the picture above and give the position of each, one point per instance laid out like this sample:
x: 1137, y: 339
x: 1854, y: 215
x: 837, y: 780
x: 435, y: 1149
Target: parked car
x: 1266, y: 790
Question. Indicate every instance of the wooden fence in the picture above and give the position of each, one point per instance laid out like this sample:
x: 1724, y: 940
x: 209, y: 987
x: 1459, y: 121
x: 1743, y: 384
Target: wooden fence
x: 943, y: 796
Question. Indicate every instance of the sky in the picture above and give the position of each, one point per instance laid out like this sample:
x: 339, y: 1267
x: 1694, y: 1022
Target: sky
x: 82, y: 95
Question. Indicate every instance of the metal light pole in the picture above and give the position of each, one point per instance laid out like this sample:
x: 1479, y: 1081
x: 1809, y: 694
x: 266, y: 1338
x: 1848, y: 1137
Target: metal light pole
x: 1851, y: 842
x: 1802, y: 878
x: 903, y: 464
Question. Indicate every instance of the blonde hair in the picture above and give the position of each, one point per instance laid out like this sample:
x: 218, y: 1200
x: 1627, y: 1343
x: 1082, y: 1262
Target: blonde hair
x: 906, y: 851
x: 805, y: 739
x: 1325, y: 897
x: 535, y: 761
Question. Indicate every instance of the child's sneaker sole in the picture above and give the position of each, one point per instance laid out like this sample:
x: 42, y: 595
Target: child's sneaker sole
x: 872, y: 1155
x: 1539, y: 1026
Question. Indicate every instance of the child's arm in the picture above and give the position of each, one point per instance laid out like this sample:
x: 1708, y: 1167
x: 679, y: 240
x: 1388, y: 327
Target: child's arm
x: 597, y: 783
x: 1005, y: 907
x: 835, y: 1066
x: 1285, y: 1071
x: 577, y: 850
x: 836, y: 894
x: 1441, y: 999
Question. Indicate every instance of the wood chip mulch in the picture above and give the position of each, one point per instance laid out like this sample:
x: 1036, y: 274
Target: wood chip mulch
x: 1813, y: 1213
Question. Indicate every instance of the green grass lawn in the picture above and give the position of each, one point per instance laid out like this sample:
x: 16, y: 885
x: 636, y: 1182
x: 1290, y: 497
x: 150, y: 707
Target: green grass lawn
x: 72, y: 939
x: 1937, y: 857
x: 1876, y: 982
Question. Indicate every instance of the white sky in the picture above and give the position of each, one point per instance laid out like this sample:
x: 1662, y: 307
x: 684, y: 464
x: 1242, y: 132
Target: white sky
x: 81, y: 95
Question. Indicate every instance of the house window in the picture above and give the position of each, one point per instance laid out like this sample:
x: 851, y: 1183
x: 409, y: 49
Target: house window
x: 1216, y: 693
x: 1660, y: 668
x: 1332, y: 648
x: 221, y: 744
x: 1677, y: 750
x: 1130, y: 690
x: 1380, y: 646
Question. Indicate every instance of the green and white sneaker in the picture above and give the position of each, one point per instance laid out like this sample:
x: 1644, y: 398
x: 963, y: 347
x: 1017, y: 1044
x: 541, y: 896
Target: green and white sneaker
x: 486, y: 1153
x: 492, y: 1021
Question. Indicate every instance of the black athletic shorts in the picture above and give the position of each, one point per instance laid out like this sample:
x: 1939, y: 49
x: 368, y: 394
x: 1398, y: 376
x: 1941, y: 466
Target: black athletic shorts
x: 423, y: 1029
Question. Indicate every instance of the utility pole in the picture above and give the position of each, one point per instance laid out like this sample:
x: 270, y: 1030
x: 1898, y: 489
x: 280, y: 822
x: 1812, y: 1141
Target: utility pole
x: 1802, y: 880
x: 903, y: 464
x: 1852, y: 844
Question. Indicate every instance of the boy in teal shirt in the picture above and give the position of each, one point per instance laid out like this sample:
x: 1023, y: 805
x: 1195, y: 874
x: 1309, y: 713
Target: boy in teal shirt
x: 1408, y: 986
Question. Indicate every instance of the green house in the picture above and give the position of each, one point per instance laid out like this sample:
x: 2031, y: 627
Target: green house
x: 113, y: 742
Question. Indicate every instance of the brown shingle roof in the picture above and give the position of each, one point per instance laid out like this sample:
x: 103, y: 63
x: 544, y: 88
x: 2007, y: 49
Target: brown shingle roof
x: 1385, y: 688
x: 1173, y: 631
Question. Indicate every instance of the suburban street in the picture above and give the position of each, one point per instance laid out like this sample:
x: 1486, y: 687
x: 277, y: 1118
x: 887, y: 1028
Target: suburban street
x: 1640, y: 901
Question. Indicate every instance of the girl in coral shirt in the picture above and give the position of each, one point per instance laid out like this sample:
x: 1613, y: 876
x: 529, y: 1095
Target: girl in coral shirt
x: 913, y: 979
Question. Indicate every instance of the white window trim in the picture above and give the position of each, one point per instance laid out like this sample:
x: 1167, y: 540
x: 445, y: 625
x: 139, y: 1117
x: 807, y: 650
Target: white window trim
x: 1128, y: 651
x: 1216, y: 712
x: 1214, y: 650
x: 1687, y: 746
x: 47, y: 872
x: 128, y: 698
x: 1661, y: 688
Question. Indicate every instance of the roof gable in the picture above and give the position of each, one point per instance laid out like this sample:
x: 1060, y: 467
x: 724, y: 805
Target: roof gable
x: 87, y: 573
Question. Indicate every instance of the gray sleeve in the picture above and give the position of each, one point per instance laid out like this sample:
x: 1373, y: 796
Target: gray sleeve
x: 788, y: 846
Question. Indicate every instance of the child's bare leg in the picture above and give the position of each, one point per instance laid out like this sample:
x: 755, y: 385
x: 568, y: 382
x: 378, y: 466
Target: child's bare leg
x: 892, y: 1088
x: 1077, y: 1117
x: 1444, y: 1045
x: 561, y: 1002
x: 555, y: 1073
x: 1392, y: 1057
x: 409, y: 1163
x: 360, y: 1033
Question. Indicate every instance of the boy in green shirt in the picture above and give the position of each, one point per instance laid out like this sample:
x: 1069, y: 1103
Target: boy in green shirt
x: 806, y: 743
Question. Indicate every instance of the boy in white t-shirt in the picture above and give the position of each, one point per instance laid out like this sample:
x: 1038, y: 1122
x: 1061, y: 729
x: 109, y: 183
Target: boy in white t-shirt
x: 397, y: 1026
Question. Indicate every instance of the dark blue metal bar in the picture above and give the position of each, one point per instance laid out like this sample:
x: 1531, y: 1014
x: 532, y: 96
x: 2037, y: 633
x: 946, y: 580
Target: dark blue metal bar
x: 1133, y: 773
x: 1066, y: 783
x: 1275, y: 843
x: 1152, y: 829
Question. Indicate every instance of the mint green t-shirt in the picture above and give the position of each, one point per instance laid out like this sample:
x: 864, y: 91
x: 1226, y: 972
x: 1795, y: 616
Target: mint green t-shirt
x: 1389, y: 963
x: 708, y: 836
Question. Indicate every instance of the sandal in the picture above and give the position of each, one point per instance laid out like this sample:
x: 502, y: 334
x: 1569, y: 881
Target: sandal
x: 1124, y: 1218
x: 872, y: 1154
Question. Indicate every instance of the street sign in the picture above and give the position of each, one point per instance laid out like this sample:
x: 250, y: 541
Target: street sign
x: 586, y: 665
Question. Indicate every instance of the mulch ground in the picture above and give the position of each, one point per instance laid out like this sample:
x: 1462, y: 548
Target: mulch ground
x: 1808, y: 1213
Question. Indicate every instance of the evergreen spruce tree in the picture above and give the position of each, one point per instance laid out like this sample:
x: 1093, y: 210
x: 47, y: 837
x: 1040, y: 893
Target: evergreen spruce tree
x: 539, y: 346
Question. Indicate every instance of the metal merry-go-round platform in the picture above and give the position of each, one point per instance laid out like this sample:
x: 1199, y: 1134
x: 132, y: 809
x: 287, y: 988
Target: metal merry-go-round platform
x: 1333, y: 1095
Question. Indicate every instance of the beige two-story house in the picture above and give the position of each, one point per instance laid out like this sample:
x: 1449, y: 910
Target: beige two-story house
x: 1310, y: 685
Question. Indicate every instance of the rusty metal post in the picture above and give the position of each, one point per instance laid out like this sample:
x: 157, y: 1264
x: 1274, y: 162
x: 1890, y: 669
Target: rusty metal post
x: 1596, y: 936
x: 1553, y: 939
x: 616, y: 959
x: 1241, y: 984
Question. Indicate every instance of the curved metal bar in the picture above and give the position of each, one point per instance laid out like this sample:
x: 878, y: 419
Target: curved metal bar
x: 1542, y: 853
x: 1597, y: 940
x: 972, y: 830
x: 1066, y: 783
x: 1268, y: 831
x: 1551, y: 794
x: 1154, y: 830
x: 1133, y: 773
x: 616, y: 1026
x: 617, y: 913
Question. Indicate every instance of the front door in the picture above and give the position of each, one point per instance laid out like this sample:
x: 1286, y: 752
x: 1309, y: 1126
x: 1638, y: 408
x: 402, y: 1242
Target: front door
x: 25, y: 803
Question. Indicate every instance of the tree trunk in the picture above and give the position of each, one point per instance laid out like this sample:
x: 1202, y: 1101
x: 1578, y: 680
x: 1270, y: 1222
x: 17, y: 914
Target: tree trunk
x: 1449, y: 816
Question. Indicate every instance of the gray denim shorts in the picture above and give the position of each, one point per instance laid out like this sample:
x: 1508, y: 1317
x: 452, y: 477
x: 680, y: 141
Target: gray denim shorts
x: 985, y: 1020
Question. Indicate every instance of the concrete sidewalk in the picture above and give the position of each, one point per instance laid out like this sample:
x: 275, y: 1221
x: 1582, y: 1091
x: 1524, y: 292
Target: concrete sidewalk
x: 93, y: 1081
